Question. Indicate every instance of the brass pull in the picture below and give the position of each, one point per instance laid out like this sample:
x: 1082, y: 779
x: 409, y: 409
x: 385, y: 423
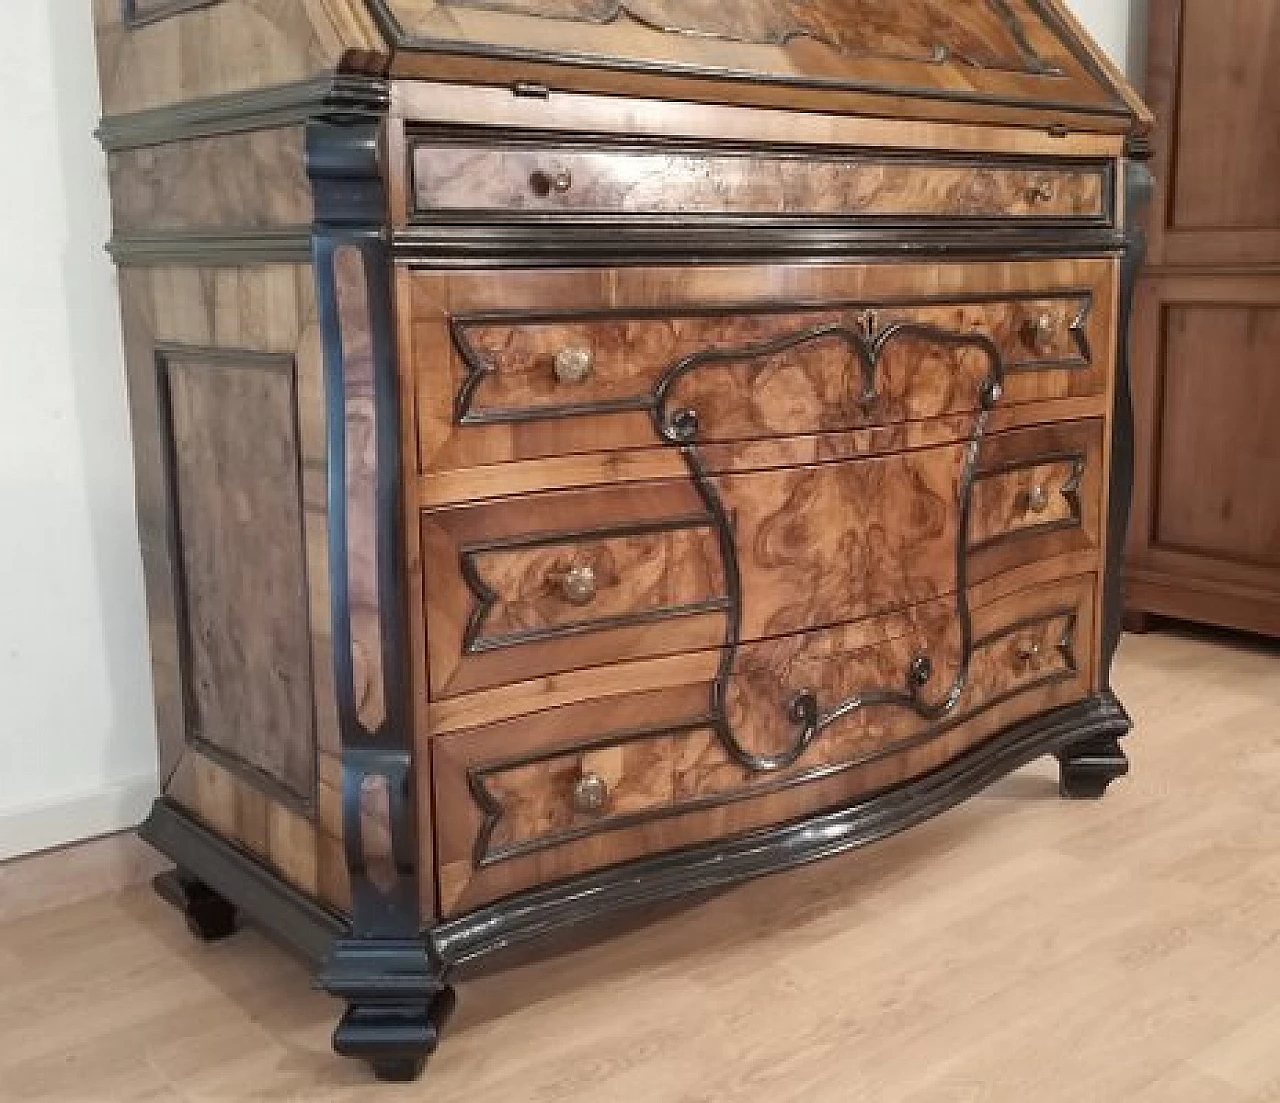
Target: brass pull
x: 544, y: 183
x: 1042, y: 191
x: 574, y: 364
x: 1040, y: 332
x: 590, y: 794
x: 578, y: 585
x: 1038, y: 499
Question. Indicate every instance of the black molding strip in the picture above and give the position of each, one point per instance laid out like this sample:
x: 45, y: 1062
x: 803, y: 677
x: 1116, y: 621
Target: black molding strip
x: 725, y: 862
x: 263, y: 895
x: 331, y: 96
x: 132, y: 18
x: 283, y: 245
x: 594, y: 243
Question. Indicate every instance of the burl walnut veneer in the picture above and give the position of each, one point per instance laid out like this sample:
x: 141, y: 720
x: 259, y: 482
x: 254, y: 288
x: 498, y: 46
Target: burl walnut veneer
x: 592, y: 452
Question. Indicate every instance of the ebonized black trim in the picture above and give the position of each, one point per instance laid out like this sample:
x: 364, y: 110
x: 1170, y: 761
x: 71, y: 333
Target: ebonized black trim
x: 495, y: 243
x: 331, y: 96
x: 282, y: 245
x: 263, y: 896
x: 549, y: 909
x: 1139, y: 186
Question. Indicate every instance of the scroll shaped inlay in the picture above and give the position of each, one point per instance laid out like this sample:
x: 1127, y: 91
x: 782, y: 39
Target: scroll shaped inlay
x: 917, y: 690
x: 985, y: 34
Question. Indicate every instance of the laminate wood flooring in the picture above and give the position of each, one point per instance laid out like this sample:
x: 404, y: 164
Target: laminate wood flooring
x: 1018, y: 949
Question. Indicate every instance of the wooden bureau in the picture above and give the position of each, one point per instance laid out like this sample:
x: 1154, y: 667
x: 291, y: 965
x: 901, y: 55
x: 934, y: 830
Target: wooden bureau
x: 595, y: 452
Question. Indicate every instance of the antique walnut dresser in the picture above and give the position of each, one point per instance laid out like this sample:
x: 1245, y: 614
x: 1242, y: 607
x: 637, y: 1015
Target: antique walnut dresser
x: 592, y: 451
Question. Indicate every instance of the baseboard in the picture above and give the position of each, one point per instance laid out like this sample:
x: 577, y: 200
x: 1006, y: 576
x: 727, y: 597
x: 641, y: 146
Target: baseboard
x: 120, y: 806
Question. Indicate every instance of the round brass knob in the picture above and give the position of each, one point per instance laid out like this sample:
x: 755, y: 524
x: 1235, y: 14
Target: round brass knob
x: 1041, y: 191
x: 578, y: 585
x: 1037, y: 499
x: 574, y: 364
x: 590, y: 794
x: 1040, y: 332
x: 562, y: 181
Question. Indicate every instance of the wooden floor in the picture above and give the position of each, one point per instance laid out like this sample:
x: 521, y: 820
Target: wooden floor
x: 1019, y: 949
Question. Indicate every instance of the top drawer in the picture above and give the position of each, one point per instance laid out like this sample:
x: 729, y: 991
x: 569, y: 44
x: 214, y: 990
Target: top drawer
x: 533, y: 179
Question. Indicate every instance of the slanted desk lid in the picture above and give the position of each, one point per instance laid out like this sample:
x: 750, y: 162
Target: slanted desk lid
x: 996, y: 60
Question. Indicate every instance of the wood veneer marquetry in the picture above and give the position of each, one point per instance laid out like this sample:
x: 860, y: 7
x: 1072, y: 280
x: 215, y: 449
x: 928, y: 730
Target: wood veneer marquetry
x: 263, y: 312
x: 1034, y: 650
x: 521, y: 179
x: 229, y: 46
x: 244, y: 182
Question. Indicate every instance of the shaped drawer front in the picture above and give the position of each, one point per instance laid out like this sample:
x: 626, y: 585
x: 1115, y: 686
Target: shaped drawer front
x: 571, y: 789
x: 567, y: 363
x: 450, y: 176
x: 530, y: 586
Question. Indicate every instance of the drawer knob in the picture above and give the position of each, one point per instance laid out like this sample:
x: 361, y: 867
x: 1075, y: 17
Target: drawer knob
x: 921, y: 673
x: 590, y: 794
x: 574, y: 364
x: 578, y: 585
x: 544, y: 183
x: 1042, y: 191
x: 1040, y: 332
x: 1038, y: 498
x: 1028, y: 652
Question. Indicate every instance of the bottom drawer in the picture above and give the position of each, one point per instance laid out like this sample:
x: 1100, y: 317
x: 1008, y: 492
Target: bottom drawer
x: 539, y: 798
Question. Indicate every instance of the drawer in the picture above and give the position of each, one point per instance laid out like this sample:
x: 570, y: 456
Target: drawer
x: 602, y: 361
x: 451, y: 176
x: 534, y: 585
x: 546, y: 796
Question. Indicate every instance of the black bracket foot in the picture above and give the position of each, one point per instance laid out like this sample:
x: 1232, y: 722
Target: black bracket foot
x: 397, y: 1002
x: 1087, y: 768
x: 210, y: 916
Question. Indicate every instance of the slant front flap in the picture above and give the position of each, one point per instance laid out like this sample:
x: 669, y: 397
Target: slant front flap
x: 1020, y: 53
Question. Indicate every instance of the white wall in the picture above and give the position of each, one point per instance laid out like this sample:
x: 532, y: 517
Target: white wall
x: 76, y: 729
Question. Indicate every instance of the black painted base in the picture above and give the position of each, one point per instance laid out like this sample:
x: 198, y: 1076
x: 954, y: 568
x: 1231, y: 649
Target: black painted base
x: 1088, y: 767
x: 396, y: 990
x: 210, y: 916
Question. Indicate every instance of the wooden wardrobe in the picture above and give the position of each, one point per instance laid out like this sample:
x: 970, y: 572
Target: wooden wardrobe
x: 1205, y: 541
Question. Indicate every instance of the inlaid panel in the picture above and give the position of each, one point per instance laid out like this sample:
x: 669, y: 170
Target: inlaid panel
x: 542, y: 179
x: 243, y: 182
x: 231, y: 425
x: 544, y: 796
x: 1013, y: 51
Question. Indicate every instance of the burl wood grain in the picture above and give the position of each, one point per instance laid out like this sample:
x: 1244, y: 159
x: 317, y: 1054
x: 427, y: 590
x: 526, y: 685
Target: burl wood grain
x: 835, y: 52
x: 268, y: 309
x: 1033, y: 652
x: 809, y: 388
x: 364, y: 601
x: 242, y: 565
x: 246, y: 182
x: 459, y: 177
x: 228, y: 46
x: 643, y: 575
